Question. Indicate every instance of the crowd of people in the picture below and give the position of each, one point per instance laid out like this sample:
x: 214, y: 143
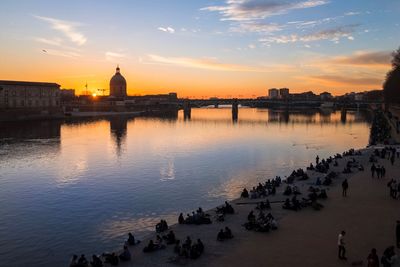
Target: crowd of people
x: 161, y: 226
x: 299, y: 174
x: 198, y: 217
x: 379, y: 170
x: 188, y: 249
x: 224, y: 234
x: 262, y: 190
x: 262, y: 221
x: 110, y: 258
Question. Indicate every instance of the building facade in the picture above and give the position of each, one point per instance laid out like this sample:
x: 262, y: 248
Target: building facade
x: 326, y: 96
x: 273, y: 93
x: 284, y: 93
x: 28, y: 95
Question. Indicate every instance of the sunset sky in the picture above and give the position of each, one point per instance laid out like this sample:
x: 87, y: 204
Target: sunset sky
x: 227, y: 48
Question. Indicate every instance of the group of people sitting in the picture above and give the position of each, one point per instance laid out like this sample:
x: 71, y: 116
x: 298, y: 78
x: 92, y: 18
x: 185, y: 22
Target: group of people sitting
x: 154, y: 246
x: 161, y: 242
x: 110, y: 258
x: 189, y: 250
x: 293, y: 204
x: 313, y: 196
x: 198, y: 217
x: 263, y: 205
x: 289, y: 190
x: 299, y: 174
x: 261, y: 223
x: 224, y: 234
x: 81, y: 262
x: 316, y: 193
x: 352, y: 152
x: 328, y: 179
x: 161, y: 226
x: 322, y: 167
x: 262, y: 190
x: 352, y: 164
x: 225, y: 209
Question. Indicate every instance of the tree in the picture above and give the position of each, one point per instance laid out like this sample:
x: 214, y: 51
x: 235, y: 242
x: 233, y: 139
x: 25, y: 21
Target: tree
x: 391, y: 86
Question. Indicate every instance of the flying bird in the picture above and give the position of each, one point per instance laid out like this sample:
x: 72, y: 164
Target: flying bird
x: 44, y: 50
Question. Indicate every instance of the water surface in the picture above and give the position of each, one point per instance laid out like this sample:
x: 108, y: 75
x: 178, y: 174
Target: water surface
x: 80, y: 186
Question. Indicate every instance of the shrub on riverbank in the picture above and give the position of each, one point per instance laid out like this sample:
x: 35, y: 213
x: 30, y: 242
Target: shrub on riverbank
x: 380, y: 129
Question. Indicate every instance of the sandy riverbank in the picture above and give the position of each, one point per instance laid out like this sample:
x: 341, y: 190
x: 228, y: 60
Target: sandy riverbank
x: 304, y: 238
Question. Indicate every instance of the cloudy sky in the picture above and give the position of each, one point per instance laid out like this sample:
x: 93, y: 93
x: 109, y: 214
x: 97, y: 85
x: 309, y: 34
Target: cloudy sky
x: 201, y: 48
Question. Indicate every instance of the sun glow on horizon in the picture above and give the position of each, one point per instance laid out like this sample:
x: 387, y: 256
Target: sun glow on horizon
x: 201, y: 51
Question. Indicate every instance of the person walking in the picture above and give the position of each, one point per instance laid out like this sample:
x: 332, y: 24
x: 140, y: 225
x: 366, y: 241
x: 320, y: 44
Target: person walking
x: 373, y: 259
x: 373, y: 169
x: 345, y: 186
x: 342, y: 249
x: 378, y: 171
x: 393, y: 189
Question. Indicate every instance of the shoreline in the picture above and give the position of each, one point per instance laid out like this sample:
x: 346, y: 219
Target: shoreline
x: 220, y: 253
x: 207, y: 233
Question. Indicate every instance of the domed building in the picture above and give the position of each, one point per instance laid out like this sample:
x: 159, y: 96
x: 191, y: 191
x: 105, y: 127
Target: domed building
x: 118, y: 85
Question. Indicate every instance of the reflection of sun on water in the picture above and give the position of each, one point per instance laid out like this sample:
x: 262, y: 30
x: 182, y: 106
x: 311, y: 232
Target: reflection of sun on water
x: 72, y: 173
x: 168, y: 172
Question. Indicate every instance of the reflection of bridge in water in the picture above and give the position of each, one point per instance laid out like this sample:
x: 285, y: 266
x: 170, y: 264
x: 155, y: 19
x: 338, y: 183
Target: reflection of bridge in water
x: 278, y: 120
x: 273, y: 103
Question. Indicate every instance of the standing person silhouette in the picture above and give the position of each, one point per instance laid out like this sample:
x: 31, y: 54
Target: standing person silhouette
x: 345, y: 186
x: 342, y: 249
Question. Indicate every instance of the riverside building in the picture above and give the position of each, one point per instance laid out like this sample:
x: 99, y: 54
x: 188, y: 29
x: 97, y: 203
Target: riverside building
x: 29, y: 95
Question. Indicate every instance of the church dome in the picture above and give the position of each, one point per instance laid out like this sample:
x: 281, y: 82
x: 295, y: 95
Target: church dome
x: 118, y: 84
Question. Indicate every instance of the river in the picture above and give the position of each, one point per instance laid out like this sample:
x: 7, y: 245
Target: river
x: 78, y: 186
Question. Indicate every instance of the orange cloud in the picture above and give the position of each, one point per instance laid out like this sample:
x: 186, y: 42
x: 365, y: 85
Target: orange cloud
x: 366, y: 58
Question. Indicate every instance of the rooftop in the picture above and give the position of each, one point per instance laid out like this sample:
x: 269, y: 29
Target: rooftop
x: 23, y: 83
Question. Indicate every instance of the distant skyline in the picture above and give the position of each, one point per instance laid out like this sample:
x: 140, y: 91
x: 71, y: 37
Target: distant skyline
x: 228, y: 48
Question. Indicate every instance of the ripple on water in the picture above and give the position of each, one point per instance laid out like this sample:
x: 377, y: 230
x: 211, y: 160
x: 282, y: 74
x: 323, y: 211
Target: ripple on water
x: 81, y: 187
